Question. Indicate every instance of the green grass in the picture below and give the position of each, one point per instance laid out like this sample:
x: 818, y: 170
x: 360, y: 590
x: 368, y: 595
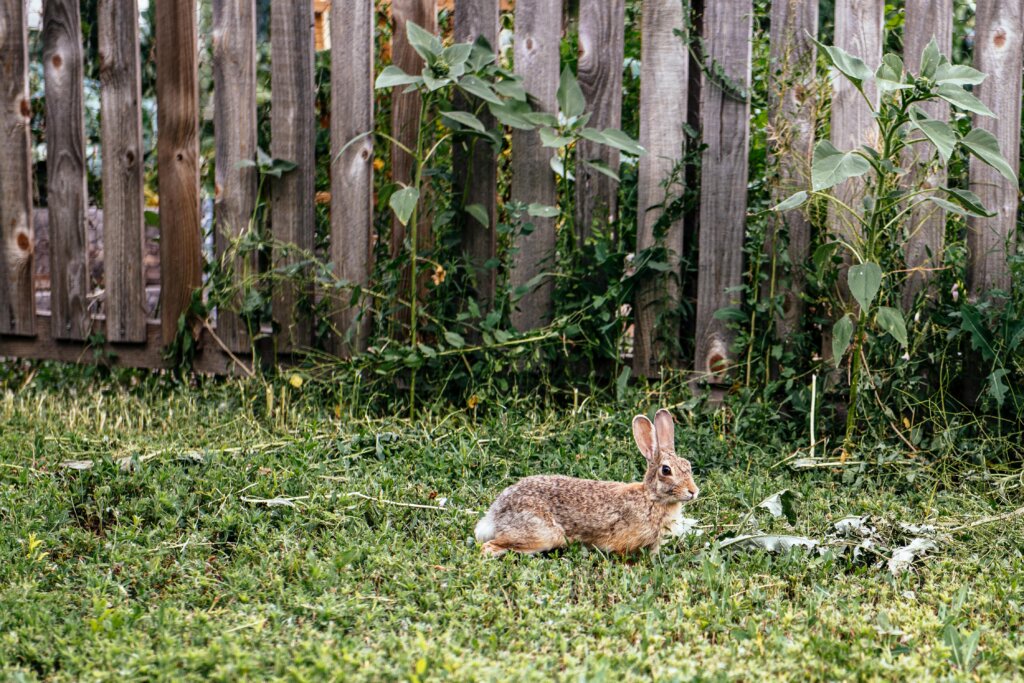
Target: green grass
x: 162, y: 569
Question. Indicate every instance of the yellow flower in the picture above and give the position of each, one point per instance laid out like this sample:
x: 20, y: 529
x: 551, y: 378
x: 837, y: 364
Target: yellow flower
x: 473, y: 401
x: 439, y: 275
x: 295, y: 381
x: 378, y: 164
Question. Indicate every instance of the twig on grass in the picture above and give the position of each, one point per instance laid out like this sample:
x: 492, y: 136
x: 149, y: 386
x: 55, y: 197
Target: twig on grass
x: 384, y: 501
x: 989, y: 520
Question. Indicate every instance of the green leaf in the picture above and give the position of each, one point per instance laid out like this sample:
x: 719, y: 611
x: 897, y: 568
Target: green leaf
x: 891, y: 320
x: 542, y: 210
x: 930, y: 59
x: 958, y: 74
x: 971, y: 323
x: 513, y: 114
x: 559, y: 168
x: 852, y: 67
x: 602, y: 168
x: 613, y: 138
x: 426, y: 44
x: 791, y: 202
x: 781, y: 504
x: 512, y: 88
x: 889, y: 75
x: 842, y: 334
x: 403, y: 203
x: 549, y: 137
x: 152, y: 217
x: 966, y: 203
x: 997, y: 387
x: 984, y: 145
x: 463, y: 118
x: 455, y: 57
x: 479, y: 88
x: 731, y: 314
x: 570, y: 97
x: 939, y: 133
x: 392, y: 76
x: 622, y: 382
x: 864, y: 279
x: 478, y: 212
x: 831, y: 167
x: 959, y: 97
x: 454, y: 339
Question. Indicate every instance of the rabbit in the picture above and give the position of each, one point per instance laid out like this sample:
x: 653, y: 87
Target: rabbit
x: 545, y: 512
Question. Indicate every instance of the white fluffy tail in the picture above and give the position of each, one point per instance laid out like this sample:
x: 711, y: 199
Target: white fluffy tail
x: 485, y: 529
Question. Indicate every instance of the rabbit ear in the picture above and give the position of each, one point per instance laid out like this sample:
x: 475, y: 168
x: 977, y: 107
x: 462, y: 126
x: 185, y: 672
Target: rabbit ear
x: 646, y: 440
x: 666, y: 430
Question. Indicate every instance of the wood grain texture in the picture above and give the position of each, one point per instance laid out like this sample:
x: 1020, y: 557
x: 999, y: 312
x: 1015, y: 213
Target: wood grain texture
x: 475, y: 165
x: 405, y: 111
x: 123, y: 201
x: 998, y: 52
x: 793, y: 105
x: 17, y: 300
x: 538, y: 28
x: 177, y: 96
x: 723, y: 198
x: 601, y: 50
x: 292, y: 137
x: 234, y: 93
x: 352, y: 25
x: 65, y: 167
x: 925, y: 19
x: 663, y: 96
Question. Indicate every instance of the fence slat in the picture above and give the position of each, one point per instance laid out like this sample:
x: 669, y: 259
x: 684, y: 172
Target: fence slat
x: 925, y: 19
x: 476, y: 169
x: 177, y: 96
x: 723, y: 198
x: 292, y: 137
x: 65, y: 168
x: 792, y: 107
x: 998, y: 52
x: 352, y: 167
x: 123, y: 221
x: 17, y: 298
x: 234, y: 80
x: 663, y: 96
x: 601, y: 51
x: 538, y: 26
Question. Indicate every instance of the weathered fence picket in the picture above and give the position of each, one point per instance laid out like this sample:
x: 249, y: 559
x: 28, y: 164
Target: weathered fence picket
x: 177, y: 96
x: 65, y: 169
x: 234, y: 92
x: 663, y: 94
x: 725, y: 115
x: 17, y: 296
x: 537, y: 36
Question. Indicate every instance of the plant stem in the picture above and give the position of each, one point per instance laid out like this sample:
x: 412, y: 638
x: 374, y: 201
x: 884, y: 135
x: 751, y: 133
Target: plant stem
x: 851, y: 413
x: 414, y: 229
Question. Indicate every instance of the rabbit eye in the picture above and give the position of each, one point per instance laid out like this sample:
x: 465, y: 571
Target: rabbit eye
x: 666, y: 470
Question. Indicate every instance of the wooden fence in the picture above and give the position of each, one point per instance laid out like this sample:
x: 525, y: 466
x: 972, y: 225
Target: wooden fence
x: 673, y: 87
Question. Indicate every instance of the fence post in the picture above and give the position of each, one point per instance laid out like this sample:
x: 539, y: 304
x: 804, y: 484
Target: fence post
x: 792, y: 107
x: 663, y: 96
x: 476, y: 170
x: 65, y: 168
x: 177, y: 96
x: 601, y: 50
x: 17, y: 294
x: 123, y: 220
x: 352, y: 53
x: 997, y: 52
x: 292, y: 138
x: 234, y: 92
x: 925, y: 19
x: 725, y: 116
x: 538, y: 28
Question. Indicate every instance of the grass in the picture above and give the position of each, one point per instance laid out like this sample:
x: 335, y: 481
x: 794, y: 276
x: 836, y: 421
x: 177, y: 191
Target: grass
x: 159, y: 562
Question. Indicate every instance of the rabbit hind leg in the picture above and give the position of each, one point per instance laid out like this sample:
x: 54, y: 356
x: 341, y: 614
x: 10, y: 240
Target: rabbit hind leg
x: 536, y: 537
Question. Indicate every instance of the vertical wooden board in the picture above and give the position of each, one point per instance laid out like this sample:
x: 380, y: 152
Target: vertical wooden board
x: 65, y: 166
x: 123, y: 221
x: 292, y: 137
x: 792, y: 96
x: 663, y: 94
x: 17, y: 298
x: 405, y: 110
x: 352, y: 164
x: 177, y: 97
x: 538, y: 26
x: 925, y: 19
x: 601, y: 51
x: 234, y: 93
x: 723, y: 196
x: 998, y: 52
x: 475, y: 166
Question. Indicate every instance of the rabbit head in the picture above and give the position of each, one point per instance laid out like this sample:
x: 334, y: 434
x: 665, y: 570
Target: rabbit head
x: 669, y: 478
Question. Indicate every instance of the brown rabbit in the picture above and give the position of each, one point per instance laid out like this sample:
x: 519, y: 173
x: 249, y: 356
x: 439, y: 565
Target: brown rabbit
x: 546, y: 512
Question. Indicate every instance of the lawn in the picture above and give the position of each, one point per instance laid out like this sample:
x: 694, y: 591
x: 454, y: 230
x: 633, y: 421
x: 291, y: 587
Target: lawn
x: 152, y: 532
